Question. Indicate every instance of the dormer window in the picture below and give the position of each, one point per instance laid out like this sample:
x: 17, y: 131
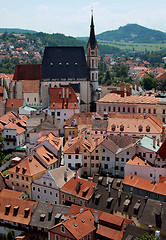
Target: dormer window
x: 140, y: 128
x: 147, y: 128
x: 113, y: 128
x: 62, y: 229
x: 121, y: 128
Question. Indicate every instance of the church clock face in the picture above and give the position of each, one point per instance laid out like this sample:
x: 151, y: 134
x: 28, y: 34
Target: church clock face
x: 93, y: 52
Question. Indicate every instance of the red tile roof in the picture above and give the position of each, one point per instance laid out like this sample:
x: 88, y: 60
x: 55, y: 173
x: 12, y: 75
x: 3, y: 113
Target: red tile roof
x: 52, y: 139
x: 31, y: 86
x: 28, y: 72
x: 29, y: 166
x: 109, y: 233
x: 145, y: 184
x: 81, y: 184
x: 16, y: 127
x: 80, y: 225
x: 16, y: 210
x: 16, y: 103
x: 63, y: 98
x: 8, y: 192
x: 137, y: 161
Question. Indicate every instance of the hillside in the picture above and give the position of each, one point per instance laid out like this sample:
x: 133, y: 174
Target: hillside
x: 16, y: 30
x: 134, y: 33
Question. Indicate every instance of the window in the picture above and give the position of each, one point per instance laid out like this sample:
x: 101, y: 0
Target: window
x: 84, y: 150
x: 163, y: 111
x: 34, y: 99
x: 76, y: 156
x: 108, y: 158
x: 69, y: 156
x: 150, y: 155
x: 123, y: 109
x: 127, y: 153
x: 45, y: 191
x: 85, y: 164
x: 117, y: 159
x: 63, y: 196
x: 50, y: 184
x: 103, y: 150
x: 51, y: 193
x: 106, y: 166
x: 122, y: 169
x: 149, y: 110
x: 38, y: 189
x: 11, y: 175
x: 92, y: 165
x: 17, y: 176
x: 33, y: 188
x: 22, y: 177
x: 69, y: 132
x: 69, y: 165
x: 116, y: 168
x: 118, y: 109
x: 154, y: 111
x: 26, y: 186
x: 27, y: 179
x: 133, y: 110
x: 85, y: 157
x: 38, y: 196
x: 96, y: 151
x: 113, y: 109
x: 92, y: 157
x: 139, y: 110
x: 144, y: 154
x: 57, y: 237
x: 27, y: 99
x: 103, y: 158
x: 151, y: 175
x: 122, y: 159
x: 97, y: 157
x: 135, y: 173
x: 128, y: 109
x: 97, y: 165
x: 56, y: 194
x: 58, y: 114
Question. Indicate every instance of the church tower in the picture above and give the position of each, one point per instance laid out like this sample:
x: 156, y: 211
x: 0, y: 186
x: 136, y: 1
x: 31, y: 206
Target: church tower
x: 92, y: 61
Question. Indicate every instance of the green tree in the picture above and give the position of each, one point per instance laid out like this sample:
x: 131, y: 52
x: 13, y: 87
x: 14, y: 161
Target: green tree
x: 149, y: 83
x: 147, y: 236
x: 10, y: 235
x: 4, y: 237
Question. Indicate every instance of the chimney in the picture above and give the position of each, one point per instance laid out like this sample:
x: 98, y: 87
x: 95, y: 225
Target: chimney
x: 81, y: 210
x: 32, y: 209
x: 50, y: 208
x: 69, y: 140
x: 96, y: 219
x: 154, y: 142
x: 63, y: 96
x: 65, y: 175
x: 67, y: 93
x: 158, y: 142
x: 78, y: 185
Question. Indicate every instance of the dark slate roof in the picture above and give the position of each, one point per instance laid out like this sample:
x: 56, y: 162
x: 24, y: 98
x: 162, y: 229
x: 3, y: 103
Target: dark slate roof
x: 92, y: 38
x: 99, y: 200
x: 64, y: 62
x: 28, y: 72
x: 134, y: 208
x: 132, y: 232
x: 43, y: 219
x: 154, y: 214
x: 122, y: 141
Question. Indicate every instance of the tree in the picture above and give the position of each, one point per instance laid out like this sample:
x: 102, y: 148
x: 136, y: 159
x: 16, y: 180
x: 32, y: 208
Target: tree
x: 10, y: 235
x: 149, y: 83
x: 147, y: 236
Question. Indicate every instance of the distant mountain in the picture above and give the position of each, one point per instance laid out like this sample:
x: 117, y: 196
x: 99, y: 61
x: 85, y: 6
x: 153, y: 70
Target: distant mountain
x: 133, y: 32
x: 16, y: 30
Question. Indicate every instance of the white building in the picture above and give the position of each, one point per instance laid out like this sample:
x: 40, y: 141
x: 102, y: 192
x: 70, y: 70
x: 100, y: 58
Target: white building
x: 47, y: 188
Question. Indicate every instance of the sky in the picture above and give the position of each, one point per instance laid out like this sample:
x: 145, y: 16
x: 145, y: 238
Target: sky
x: 72, y: 17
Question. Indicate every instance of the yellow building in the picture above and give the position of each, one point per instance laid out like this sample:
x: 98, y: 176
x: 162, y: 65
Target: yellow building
x: 23, y: 174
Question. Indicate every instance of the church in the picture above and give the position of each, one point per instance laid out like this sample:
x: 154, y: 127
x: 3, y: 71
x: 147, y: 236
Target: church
x: 68, y: 66
x: 61, y: 67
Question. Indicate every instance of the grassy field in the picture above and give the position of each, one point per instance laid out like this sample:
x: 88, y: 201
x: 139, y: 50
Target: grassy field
x: 138, y: 47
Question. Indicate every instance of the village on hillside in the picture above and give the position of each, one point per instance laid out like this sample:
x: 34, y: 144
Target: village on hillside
x: 81, y: 158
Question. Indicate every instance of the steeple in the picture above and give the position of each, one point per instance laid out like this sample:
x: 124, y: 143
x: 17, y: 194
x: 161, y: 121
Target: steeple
x: 92, y: 38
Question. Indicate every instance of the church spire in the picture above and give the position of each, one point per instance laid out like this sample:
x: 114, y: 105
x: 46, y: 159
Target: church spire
x: 92, y: 38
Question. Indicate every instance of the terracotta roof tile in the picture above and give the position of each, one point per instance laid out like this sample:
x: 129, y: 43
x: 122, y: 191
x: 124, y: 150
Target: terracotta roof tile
x: 28, y: 72
x: 8, y: 192
x: 52, y: 139
x: 15, y: 126
x: 29, y: 166
x: 31, y: 86
x: 63, y: 98
x: 46, y: 155
x: 145, y: 184
x: 115, y: 98
x: 16, y: 103
x: 75, y: 182
x: 22, y: 214
x: 137, y: 161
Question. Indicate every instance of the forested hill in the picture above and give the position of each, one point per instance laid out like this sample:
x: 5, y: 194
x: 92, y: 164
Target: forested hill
x: 134, y: 33
x: 16, y: 30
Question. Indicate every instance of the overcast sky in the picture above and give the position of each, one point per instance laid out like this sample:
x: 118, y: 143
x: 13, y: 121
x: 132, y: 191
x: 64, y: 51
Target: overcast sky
x: 72, y: 17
